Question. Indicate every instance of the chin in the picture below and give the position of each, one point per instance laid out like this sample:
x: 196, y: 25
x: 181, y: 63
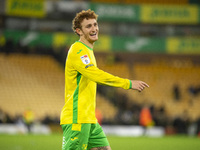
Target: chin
x: 93, y: 40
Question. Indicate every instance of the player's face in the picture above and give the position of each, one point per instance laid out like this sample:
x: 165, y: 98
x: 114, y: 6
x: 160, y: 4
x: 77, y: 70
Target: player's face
x: 89, y: 30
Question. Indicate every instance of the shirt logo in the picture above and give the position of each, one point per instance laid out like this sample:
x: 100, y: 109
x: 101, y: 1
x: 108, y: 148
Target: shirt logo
x: 74, y: 138
x: 89, y: 65
x: 85, y: 59
x: 79, y: 51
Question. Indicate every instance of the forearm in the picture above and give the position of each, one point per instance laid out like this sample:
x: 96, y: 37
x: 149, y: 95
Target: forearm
x: 101, y: 77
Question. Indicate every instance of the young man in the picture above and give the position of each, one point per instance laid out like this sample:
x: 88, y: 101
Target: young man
x: 80, y: 128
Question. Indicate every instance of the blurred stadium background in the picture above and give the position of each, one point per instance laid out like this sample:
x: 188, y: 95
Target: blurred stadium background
x: 156, y: 41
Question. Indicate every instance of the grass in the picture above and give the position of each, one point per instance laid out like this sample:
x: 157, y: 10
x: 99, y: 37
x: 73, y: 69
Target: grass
x: 31, y: 142
x: 147, y: 143
x: 54, y: 142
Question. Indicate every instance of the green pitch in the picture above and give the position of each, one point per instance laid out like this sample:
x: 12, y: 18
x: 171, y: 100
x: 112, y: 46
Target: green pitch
x: 54, y: 141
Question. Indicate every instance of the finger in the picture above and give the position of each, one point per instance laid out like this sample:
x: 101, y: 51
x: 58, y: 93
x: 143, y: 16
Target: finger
x: 145, y: 84
x: 141, y: 88
x: 142, y: 85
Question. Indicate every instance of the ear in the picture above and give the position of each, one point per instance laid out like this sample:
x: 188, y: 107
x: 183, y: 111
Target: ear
x: 79, y: 31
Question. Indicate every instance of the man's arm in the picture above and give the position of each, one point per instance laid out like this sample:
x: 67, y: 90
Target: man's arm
x: 101, y: 77
x: 90, y: 71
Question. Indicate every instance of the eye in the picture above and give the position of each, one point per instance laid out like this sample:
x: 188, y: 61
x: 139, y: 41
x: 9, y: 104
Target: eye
x: 95, y: 24
x: 88, y: 26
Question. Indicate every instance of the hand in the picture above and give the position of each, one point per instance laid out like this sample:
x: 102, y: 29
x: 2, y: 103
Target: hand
x: 138, y: 85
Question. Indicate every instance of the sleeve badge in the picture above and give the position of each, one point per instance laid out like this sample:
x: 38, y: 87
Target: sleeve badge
x: 85, y: 59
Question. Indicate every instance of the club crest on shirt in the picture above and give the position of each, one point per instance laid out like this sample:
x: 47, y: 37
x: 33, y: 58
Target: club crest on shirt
x: 85, y: 59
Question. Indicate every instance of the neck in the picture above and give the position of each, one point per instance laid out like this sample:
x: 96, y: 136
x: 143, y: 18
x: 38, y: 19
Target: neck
x: 89, y: 44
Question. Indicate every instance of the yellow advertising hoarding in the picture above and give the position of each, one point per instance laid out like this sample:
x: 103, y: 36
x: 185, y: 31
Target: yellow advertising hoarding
x: 26, y: 8
x: 66, y: 39
x: 177, y: 45
x: 169, y: 14
x: 104, y: 43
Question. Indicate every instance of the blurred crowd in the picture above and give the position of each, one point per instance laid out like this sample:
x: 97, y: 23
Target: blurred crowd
x: 147, y: 115
x: 27, y: 118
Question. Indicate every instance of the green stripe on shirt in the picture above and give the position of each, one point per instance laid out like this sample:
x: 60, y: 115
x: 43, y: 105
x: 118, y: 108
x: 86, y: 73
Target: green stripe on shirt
x: 75, y: 100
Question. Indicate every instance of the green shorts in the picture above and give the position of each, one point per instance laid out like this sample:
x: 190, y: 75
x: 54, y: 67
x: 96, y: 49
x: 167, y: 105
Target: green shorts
x: 83, y: 136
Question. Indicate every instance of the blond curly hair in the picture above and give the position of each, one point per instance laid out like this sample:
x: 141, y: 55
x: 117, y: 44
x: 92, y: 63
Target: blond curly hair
x: 88, y: 14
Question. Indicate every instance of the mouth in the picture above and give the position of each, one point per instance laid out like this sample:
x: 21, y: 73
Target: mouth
x: 93, y: 34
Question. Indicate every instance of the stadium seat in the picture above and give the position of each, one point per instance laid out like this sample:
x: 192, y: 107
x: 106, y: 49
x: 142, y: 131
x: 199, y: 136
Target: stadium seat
x: 31, y: 82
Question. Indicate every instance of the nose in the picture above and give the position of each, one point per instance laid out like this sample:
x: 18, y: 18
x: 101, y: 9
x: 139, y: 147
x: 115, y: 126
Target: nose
x: 94, y: 28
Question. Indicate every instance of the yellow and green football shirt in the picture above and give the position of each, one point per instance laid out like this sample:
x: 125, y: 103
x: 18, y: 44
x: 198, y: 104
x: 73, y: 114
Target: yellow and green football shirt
x: 81, y: 78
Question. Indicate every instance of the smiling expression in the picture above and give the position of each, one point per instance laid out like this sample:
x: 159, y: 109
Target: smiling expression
x: 89, y: 31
